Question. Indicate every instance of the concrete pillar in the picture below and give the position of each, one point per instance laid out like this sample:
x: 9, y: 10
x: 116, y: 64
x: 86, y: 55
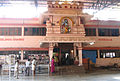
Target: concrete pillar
x: 97, y: 32
x: 21, y: 54
x: 22, y: 30
x: 80, y: 56
x: 74, y: 51
x: 98, y: 53
x: 119, y: 32
x: 51, y: 46
x: 79, y: 45
x: 50, y: 53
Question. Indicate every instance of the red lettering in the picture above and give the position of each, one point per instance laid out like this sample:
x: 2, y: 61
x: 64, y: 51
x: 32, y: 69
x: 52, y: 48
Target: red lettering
x: 1, y: 39
x: 18, y: 39
x: 11, y: 39
x: 8, y: 39
x: 105, y: 39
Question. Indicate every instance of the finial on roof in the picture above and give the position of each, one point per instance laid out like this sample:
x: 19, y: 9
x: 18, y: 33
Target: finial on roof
x: 66, y: 2
x: 49, y: 2
x: 74, y: 3
x: 56, y: 2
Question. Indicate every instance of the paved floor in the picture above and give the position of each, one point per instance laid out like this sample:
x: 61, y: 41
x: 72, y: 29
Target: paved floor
x: 94, y: 76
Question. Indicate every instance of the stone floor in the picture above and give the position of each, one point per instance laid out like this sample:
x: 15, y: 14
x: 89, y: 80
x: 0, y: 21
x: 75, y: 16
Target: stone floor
x: 100, y: 75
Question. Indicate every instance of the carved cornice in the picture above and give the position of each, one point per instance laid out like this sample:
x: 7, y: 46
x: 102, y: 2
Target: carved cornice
x: 65, y: 5
x: 66, y: 39
x: 78, y: 44
x: 51, y: 45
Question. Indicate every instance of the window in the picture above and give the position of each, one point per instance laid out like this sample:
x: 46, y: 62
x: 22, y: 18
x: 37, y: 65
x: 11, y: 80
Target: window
x: 7, y: 53
x: 35, y: 31
x: 109, y: 53
x: 108, y: 32
x: 90, y: 31
x: 34, y: 54
x: 10, y: 31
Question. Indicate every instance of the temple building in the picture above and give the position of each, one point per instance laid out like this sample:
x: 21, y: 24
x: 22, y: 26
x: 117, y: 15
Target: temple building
x: 63, y: 31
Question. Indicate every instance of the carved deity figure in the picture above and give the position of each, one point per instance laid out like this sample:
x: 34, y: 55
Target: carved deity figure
x: 65, y: 27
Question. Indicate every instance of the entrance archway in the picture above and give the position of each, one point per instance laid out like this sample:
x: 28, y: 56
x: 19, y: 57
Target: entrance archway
x: 64, y: 53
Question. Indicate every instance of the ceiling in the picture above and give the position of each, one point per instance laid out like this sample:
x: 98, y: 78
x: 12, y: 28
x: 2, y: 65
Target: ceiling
x: 101, y: 9
x: 89, y: 4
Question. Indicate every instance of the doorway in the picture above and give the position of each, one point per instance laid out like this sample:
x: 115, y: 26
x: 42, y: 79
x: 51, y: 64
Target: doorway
x: 64, y: 54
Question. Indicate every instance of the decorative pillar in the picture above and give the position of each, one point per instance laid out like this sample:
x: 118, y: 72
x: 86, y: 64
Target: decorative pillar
x: 74, y: 51
x: 79, y: 45
x: 50, y: 51
x: 80, y: 56
x: 21, y: 54
x: 51, y: 18
x: 49, y: 27
x: 79, y: 21
x: 51, y: 47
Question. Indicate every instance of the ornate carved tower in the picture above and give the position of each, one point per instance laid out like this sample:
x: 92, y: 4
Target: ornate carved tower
x: 65, y: 19
x: 65, y: 24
